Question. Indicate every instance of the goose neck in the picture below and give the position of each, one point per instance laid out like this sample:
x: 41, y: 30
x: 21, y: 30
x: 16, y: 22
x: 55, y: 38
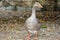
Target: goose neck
x: 33, y: 12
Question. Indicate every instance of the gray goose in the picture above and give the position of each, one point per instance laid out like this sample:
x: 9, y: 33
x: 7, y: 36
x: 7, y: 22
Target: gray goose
x: 32, y: 23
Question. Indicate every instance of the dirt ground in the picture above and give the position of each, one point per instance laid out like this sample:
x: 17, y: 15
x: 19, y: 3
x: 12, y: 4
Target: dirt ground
x: 10, y: 29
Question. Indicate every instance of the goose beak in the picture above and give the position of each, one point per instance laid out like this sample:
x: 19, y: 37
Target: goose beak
x: 40, y: 6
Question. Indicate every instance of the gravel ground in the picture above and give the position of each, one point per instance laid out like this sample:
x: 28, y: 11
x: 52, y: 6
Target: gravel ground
x: 18, y: 32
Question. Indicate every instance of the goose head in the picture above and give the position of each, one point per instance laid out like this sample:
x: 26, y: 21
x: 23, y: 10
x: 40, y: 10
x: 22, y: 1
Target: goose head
x: 37, y: 5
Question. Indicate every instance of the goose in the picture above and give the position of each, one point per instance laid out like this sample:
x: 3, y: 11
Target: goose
x: 32, y: 24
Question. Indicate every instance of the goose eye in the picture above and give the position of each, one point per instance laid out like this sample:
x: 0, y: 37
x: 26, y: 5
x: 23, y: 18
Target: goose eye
x: 37, y: 4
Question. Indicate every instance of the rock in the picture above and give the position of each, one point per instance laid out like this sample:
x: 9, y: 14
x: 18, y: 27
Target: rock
x: 9, y: 8
x: 20, y: 8
x: 2, y: 8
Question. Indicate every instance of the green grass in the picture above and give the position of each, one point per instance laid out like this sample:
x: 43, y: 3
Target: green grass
x: 43, y: 26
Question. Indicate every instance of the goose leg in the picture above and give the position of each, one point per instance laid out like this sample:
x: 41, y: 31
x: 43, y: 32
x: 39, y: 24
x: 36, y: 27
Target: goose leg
x: 28, y: 37
x: 36, y: 36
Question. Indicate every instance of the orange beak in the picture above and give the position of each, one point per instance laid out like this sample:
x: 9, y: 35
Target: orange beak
x: 40, y: 6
